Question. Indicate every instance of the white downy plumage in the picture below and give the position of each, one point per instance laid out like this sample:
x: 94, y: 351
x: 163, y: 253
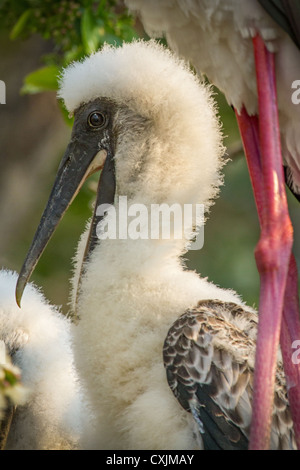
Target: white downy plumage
x: 38, y: 337
x: 215, y: 36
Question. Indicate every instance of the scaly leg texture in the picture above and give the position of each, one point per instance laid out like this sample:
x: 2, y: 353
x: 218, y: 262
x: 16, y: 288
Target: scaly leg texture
x: 261, y: 139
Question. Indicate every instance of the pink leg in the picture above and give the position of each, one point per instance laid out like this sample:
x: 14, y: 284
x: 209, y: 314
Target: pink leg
x: 290, y: 332
x: 290, y: 327
x: 273, y: 250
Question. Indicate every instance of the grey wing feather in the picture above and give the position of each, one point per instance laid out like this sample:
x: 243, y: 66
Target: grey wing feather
x: 209, y: 355
x: 290, y: 184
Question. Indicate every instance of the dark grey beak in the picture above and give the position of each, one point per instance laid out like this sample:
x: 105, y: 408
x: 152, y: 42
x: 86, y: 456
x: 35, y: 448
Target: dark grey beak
x: 90, y: 149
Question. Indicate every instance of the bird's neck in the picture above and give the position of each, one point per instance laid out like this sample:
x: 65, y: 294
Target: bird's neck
x: 149, y: 229
x: 142, y: 241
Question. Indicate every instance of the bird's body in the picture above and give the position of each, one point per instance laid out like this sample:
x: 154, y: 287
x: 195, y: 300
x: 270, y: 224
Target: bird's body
x: 216, y: 37
x: 121, y: 360
x: 147, y: 121
x: 38, y: 339
x: 131, y: 305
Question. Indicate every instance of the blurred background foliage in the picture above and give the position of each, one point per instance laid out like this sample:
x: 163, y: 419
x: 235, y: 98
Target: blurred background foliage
x: 37, y: 39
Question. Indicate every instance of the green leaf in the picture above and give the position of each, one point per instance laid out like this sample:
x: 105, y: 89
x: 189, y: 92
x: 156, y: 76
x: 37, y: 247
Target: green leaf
x: 102, y: 7
x: 75, y: 53
x: 112, y: 39
x: 10, y: 377
x: 89, y: 35
x: 128, y: 33
x: 44, y: 79
x: 20, y: 24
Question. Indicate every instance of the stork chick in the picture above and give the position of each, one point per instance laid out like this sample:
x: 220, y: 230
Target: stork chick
x: 147, y: 121
x: 38, y: 340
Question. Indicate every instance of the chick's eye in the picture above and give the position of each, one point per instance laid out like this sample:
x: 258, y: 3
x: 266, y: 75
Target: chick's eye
x: 96, y: 119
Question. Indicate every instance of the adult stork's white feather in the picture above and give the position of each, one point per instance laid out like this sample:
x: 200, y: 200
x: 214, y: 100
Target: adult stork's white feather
x: 215, y: 36
x: 248, y: 49
x: 147, y: 121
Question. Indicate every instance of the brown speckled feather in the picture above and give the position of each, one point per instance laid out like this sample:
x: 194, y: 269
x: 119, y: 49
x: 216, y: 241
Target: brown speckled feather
x: 209, y: 358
